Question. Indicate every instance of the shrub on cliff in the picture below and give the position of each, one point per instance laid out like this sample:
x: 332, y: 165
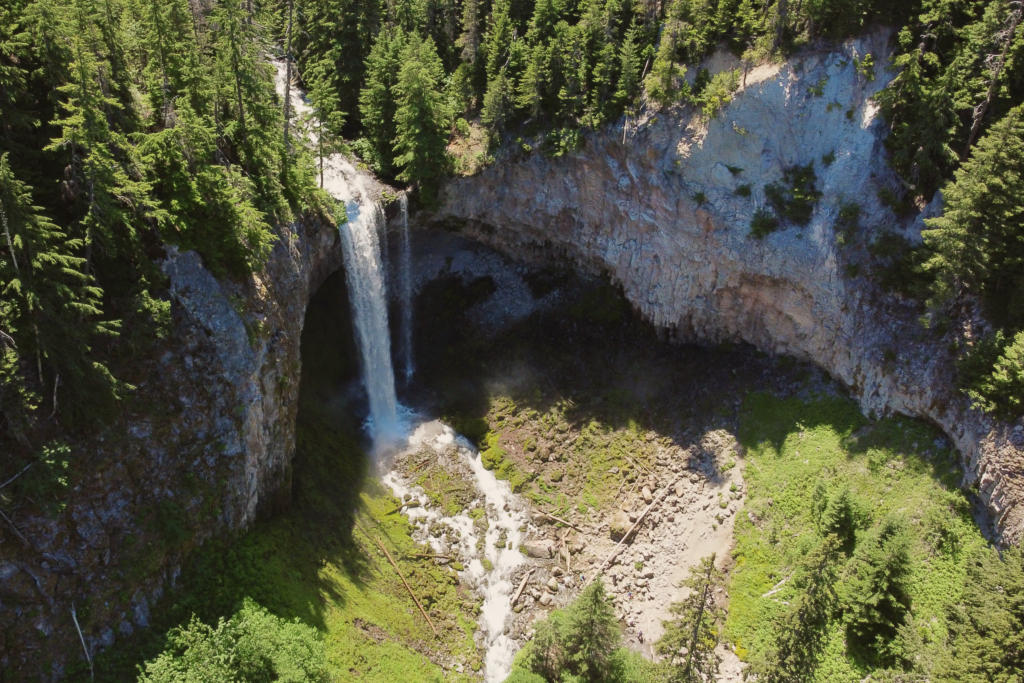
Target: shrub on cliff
x: 997, y: 386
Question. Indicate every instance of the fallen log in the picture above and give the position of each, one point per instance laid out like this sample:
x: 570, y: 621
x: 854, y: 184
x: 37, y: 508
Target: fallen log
x: 565, y: 553
x: 559, y: 519
x: 407, y: 587
x: 522, y: 585
x: 448, y: 558
x: 618, y: 546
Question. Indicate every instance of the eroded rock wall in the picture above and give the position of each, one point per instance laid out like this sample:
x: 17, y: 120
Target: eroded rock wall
x: 663, y: 205
x: 204, y: 445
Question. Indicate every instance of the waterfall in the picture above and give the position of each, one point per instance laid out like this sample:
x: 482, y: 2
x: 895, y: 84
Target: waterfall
x: 363, y: 246
x: 364, y: 272
x: 405, y: 287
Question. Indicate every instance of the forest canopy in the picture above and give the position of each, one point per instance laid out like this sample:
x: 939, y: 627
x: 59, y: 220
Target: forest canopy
x: 125, y: 126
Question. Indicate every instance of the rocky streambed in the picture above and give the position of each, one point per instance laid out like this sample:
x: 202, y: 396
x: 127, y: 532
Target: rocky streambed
x: 523, y: 560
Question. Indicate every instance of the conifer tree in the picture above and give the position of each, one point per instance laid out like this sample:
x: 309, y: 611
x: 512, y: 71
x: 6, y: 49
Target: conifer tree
x: 977, y: 242
x: 421, y: 116
x: 377, y: 98
x: 874, y: 592
x: 987, y: 625
x: 531, y: 88
x: 665, y: 81
x: 498, y: 102
x: 920, y: 115
x: 691, y: 636
x: 498, y: 39
x: 50, y: 311
x: 630, y: 65
x: 592, y: 633
x: 112, y: 197
x: 801, y: 629
x: 328, y: 117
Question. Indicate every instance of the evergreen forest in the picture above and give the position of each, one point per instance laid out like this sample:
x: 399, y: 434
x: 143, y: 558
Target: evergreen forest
x: 129, y: 126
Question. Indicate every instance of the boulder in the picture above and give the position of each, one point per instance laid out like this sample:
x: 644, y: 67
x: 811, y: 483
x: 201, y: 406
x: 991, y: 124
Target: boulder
x: 619, y: 525
x: 540, y: 548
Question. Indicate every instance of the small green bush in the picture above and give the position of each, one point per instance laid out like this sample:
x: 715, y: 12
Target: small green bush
x: 718, y: 92
x: 253, y: 645
x: 795, y: 196
x: 561, y: 141
x: 763, y: 223
x: 743, y: 190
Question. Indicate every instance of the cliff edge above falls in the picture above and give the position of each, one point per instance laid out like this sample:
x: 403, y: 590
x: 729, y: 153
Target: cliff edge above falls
x: 663, y: 205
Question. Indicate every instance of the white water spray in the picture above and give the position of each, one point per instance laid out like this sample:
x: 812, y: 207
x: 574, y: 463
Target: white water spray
x: 405, y: 287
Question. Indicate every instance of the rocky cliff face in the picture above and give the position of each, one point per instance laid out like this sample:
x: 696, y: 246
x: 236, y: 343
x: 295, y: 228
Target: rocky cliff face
x: 663, y: 206
x: 205, y: 444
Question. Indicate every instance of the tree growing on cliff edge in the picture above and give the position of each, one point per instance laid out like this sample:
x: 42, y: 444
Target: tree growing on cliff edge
x: 977, y: 242
x: 421, y: 117
x: 377, y: 99
x: 50, y: 309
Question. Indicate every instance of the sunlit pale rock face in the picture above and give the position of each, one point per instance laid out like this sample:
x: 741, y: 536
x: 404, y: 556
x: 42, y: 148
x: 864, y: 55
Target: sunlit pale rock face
x: 660, y: 206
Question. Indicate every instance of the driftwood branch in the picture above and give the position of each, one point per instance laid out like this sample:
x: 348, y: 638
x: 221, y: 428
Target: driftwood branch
x: 777, y: 587
x: 407, y: 587
x: 430, y: 556
x: 88, y: 657
x: 16, y: 530
x: 559, y: 519
x: 638, y: 465
x: 522, y: 586
x: 56, y: 385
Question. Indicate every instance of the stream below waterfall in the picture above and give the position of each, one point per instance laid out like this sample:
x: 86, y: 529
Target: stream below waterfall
x: 471, y: 540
